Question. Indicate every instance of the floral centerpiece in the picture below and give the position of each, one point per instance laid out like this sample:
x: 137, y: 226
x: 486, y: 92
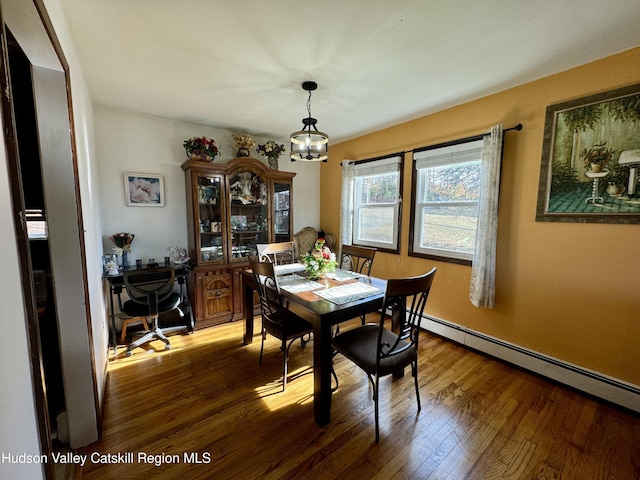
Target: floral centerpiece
x: 319, y: 260
x: 201, y: 148
x: 123, y: 245
x: 244, y: 144
x: 272, y: 151
x: 597, y: 157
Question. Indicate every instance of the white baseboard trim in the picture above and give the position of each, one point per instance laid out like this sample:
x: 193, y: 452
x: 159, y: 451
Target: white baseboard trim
x: 608, y: 388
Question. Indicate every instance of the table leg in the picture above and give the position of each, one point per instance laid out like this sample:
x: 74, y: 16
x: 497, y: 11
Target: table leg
x: 322, y: 365
x: 248, y: 313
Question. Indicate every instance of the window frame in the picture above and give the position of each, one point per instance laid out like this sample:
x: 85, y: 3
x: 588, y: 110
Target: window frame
x: 415, y: 231
x: 381, y: 247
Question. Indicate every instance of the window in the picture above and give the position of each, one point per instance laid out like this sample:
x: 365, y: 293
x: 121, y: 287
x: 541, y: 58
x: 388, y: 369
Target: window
x: 36, y: 224
x: 376, y: 203
x: 445, y: 207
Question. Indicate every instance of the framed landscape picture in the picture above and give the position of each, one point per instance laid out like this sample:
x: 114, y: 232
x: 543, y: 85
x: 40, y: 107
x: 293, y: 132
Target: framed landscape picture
x: 590, y: 159
x: 144, y: 190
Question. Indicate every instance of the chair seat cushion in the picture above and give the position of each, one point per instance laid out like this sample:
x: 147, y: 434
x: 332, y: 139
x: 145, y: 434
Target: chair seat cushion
x: 360, y: 346
x: 140, y: 310
x: 287, y: 325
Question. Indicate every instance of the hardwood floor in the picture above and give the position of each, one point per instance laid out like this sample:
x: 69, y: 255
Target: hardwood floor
x: 208, y: 399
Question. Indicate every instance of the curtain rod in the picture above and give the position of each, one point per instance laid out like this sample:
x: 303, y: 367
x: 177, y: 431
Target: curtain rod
x: 473, y: 138
x: 517, y: 128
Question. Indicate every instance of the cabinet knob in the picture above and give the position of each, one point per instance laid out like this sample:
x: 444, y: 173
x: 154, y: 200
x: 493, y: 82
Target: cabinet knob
x: 218, y: 294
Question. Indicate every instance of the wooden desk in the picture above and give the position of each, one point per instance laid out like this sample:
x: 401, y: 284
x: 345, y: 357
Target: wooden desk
x: 322, y: 314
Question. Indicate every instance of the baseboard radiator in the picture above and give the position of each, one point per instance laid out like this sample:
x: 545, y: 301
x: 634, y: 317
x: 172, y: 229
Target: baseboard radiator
x: 607, y: 388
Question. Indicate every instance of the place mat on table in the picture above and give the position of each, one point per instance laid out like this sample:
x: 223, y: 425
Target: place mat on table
x: 288, y: 268
x: 348, y: 293
x: 296, y: 284
x: 340, y: 275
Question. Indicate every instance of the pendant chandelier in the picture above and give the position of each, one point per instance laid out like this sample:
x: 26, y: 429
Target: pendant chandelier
x: 309, y: 144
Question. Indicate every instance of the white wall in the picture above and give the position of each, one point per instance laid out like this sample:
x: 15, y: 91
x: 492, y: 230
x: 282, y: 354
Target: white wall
x: 136, y: 143
x: 18, y: 426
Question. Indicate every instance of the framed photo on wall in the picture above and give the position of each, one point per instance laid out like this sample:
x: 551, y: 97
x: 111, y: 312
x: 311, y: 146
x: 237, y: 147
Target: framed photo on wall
x: 591, y: 158
x: 144, y: 190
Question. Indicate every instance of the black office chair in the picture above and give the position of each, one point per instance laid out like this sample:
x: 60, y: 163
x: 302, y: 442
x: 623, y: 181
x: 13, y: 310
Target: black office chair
x: 276, y: 318
x: 378, y: 350
x: 276, y: 253
x: 151, y: 293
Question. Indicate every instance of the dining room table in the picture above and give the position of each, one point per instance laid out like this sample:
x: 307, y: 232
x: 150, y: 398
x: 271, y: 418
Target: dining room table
x: 336, y: 297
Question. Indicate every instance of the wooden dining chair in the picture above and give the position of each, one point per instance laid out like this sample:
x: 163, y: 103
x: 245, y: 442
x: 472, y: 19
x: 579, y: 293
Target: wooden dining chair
x: 276, y: 253
x: 357, y: 259
x: 381, y: 351
x: 276, y: 318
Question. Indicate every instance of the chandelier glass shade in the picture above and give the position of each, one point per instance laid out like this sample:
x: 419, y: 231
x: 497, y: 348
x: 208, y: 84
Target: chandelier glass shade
x: 309, y: 144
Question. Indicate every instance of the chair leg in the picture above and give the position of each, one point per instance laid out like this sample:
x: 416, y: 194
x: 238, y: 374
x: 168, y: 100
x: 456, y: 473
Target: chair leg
x: 154, y: 334
x: 264, y: 334
x: 284, y: 368
x: 335, y: 377
x: 414, y: 372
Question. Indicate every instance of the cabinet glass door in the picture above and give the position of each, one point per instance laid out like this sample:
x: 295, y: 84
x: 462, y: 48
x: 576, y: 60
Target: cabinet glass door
x: 281, y: 214
x: 210, y: 218
x: 248, y: 215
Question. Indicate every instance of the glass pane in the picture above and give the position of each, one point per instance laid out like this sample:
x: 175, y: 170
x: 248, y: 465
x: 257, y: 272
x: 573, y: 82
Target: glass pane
x: 456, y: 182
x: 375, y: 224
x: 281, y: 206
x: 449, y: 228
x: 210, y: 218
x: 377, y: 189
x: 248, y: 222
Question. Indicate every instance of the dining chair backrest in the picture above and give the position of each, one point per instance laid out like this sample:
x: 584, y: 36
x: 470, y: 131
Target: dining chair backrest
x: 357, y: 259
x: 267, y: 285
x: 405, y: 322
x: 276, y: 319
x: 277, y: 253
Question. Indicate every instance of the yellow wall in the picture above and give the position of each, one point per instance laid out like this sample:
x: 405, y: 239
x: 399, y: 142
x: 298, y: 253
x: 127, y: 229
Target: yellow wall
x: 567, y: 290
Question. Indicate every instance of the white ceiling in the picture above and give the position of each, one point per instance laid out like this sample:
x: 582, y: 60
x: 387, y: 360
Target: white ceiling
x: 239, y: 64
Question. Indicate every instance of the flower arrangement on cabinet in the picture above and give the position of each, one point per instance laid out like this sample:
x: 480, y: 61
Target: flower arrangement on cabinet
x: 123, y: 242
x: 272, y: 151
x: 244, y: 144
x: 319, y: 260
x: 201, y: 148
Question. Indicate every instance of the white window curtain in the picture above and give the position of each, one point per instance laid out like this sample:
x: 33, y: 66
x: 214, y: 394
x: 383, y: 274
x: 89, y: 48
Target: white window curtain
x: 346, y: 203
x: 483, y: 272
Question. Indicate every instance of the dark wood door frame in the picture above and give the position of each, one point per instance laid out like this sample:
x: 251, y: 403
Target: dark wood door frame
x: 17, y: 199
x: 24, y: 256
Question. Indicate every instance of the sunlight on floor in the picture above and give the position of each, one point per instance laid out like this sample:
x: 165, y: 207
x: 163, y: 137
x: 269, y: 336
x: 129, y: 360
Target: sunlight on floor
x: 299, y: 390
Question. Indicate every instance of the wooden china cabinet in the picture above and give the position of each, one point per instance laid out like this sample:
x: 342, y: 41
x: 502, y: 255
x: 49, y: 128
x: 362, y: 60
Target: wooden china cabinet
x: 231, y: 208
